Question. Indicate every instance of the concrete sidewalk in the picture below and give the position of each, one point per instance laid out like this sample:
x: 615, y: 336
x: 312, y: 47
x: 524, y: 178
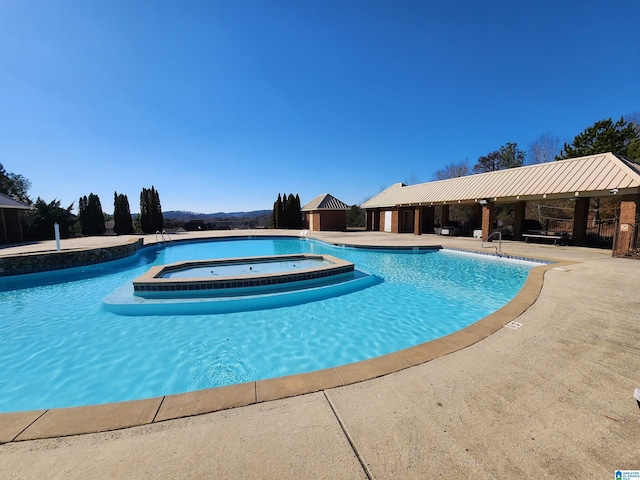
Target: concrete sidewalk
x: 553, y: 398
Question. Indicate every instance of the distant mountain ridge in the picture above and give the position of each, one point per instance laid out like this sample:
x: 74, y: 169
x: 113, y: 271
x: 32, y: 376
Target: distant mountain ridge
x: 186, y: 216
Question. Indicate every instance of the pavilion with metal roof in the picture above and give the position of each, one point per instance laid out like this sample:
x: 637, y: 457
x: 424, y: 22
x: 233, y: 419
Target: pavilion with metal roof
x: 409, y: 208
x: 10, y: 222
x: 325, y: 212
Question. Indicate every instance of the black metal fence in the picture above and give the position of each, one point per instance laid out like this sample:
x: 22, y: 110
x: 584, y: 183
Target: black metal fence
x: 600, y: 233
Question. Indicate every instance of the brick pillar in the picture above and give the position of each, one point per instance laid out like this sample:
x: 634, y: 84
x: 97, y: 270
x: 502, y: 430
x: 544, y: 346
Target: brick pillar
x: 518, y: 220
x: 395, y: 220
x: 629, y: 213
x: 487, y: 219
x: 417, y: 221
x: 580, y: 216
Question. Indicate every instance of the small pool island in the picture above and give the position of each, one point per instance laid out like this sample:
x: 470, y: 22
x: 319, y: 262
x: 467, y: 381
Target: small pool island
x: 237, y: 276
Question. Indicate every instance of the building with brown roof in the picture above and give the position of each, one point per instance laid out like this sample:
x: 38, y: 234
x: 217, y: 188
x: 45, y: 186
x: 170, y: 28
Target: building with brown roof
x: 412, y: 209
x: 325, y: 212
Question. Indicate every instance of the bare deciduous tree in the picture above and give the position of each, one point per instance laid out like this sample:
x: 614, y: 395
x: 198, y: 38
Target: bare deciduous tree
x: 543, y: 149
x: 412, y: 180
x: 453, y: 170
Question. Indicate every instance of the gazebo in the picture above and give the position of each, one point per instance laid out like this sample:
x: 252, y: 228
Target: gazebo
x: 325, y: 212
x: 10, y: 222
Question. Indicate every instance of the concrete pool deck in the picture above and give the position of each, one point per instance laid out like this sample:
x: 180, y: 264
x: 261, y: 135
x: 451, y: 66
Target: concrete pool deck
x: 551, y: 398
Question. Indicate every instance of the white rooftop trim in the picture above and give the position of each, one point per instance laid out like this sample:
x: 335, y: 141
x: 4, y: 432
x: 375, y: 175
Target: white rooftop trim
x: 590, y: 176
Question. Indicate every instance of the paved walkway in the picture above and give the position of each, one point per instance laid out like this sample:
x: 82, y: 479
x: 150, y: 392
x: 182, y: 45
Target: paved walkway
x: 550, y: 399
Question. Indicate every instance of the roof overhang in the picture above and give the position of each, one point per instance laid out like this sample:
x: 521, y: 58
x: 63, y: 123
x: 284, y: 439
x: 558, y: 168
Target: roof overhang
x: 599, y: 176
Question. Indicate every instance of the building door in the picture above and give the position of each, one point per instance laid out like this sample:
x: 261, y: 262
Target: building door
x: 387, y: 221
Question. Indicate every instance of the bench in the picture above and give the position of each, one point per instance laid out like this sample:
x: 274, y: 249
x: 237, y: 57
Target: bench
x: 555, y: 238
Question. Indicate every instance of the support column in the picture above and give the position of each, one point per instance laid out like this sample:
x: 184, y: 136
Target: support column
x: 488, y: 217
x: 417, y: 220
x: 395, y: 220
x: 629, y: 215
x: 580, y: 216
x: 629, y: 209
x: 518, y: 220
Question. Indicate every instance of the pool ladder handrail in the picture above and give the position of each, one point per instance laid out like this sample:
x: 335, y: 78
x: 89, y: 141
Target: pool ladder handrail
x: 162, y: 234
x: 499, y: 247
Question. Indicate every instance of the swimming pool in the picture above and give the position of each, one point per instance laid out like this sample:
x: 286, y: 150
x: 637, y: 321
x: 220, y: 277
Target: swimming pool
x: 60, y: 347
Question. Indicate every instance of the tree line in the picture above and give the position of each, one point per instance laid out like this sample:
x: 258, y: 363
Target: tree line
x: 38, y: 223
x: 621, y: 137
x: 287, y: 212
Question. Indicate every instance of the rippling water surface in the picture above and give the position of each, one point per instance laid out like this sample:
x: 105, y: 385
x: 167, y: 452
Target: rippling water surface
x: 60, y: 347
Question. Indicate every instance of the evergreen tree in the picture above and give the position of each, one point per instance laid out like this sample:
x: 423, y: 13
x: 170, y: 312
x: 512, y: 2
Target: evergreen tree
x: 39, y: 222
x: 299, y: 223
x: 633, y: 151
x: 151, y: 219
x: 156, y: 211
x: 293, y: 207
x: 293, y: 212
x: 355, y: 216
x: 145, y: 215
x: 123, y: 225
x: 509, y: 156
x: 96, y: 215
x: 277, y: 207
x: 286, y: 212
x: 283, y: 212
x: 603, y: 136
x: 82, y: 215
x: 90, y: 215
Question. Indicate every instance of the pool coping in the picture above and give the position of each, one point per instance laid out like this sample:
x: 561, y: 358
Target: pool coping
x: 61, y: 422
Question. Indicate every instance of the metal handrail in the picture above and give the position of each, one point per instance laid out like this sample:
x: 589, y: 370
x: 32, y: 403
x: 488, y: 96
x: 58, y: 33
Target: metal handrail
x: 499, y: 247
x: 162, y: 234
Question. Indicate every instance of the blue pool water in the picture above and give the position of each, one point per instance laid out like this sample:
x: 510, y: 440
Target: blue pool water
x: 60, y: 347
x: 246, y: 269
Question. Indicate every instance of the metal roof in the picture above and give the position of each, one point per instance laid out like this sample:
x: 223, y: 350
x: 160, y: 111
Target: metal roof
x: 9, y: 202
x: 590, y: 176
x: 325, y: 202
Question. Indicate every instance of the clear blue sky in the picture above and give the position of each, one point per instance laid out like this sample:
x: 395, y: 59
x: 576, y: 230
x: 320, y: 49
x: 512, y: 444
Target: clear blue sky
x: 221, y: 105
